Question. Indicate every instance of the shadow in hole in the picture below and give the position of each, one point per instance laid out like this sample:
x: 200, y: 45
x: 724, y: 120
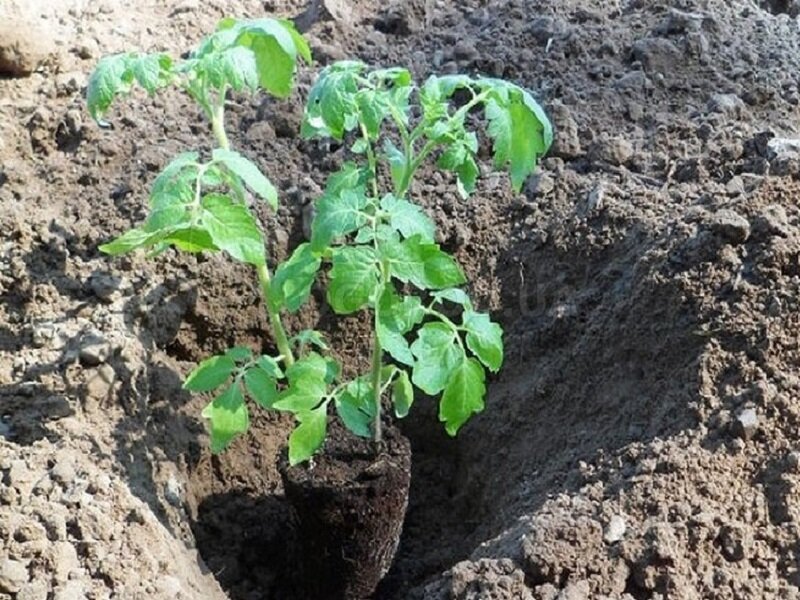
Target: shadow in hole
x: 244, y: 539
x: 601, y: 351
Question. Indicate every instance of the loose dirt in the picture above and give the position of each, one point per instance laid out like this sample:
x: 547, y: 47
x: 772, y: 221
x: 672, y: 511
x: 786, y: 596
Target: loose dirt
x: 642, y: 440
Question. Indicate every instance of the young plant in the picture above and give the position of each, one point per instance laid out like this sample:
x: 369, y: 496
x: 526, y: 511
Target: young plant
x: 382, y: 250
x: 200, y: 204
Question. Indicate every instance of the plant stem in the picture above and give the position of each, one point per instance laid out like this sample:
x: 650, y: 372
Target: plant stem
x: 278, y: 331
x: 275, y: 318
x: 377, y: 364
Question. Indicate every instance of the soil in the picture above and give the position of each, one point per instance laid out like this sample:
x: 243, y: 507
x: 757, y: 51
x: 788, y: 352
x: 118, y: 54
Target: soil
x: 349, y: 508
x: 642, y: 440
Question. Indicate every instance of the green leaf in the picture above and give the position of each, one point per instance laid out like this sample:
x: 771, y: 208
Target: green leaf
x: 468, y: 173
x: 423, y: 264
x: 239, y: 353
x: 353, y: 278
x: 438, y: 354
x: 309, y: 337
x: 397, y: 162
x: 270, y: 366
x: 165, y: 180
x: 261, y: 386
x: 235, y: 67
x: 402, y: 395
x: 276, y: 54
x: 355, y: 405
x: 293, y: 279
x: 454, y: 295
x: 250, y: 174
x: 520, y: 129
x: 484, y: 339
x: 110, y: 78
x: 331, y: 102
x: 191, y: 239
x: 463, y: 395
x: 308, y: 383
x: 408, y: 219
x: 233, y: 229
x: 337, y: 215
x: 397, y: 317
x: 309, y: 435
x: 152, y: 71
x: 210, y: 374
x: 300, y: 43
x: 130, y: 240
x: 228, y: 416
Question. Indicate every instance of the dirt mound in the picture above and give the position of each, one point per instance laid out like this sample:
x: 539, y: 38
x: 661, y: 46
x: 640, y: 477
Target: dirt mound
x: 641, y: 441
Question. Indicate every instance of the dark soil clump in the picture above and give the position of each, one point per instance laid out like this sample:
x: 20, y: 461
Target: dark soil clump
x: 350, y: 505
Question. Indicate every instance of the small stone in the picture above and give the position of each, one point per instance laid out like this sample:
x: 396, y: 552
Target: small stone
x: 746, y: 424
x: 72, y: 590
x: 735, y: 186
x: 596, y: 198
x: 732, y: 543
x: 173, y: 491
x: 539, y: 185
x: 169, y: 587
x: 100, y: 383
x: 793, y: 461
x: 773, y: 221
x: 63, y: 559
x: 575, y: 591
x: 656, y: 54
x: 95, y: 350
x: 30, y: 531
x: 87, y: 50
x: 35, y: 590
x: 13, y: 575
x: 23, y: 46
x: 615, y: 530
x: 63, y: 472
x: 105, y: 286
x: 729, y: 105
x: 465, y: 51
x: 730, y: 225
x: 567, y: 144
x: 613, y: 150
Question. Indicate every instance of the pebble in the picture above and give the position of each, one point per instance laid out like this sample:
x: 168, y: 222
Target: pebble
x: 63, y: 472
x: 656, y: 54
x: 23, y: 46
x: 35, y: 590
x: 94, y: 351
x: 105, y: 286
x: 173, y: 491
x: 793, y: 461
x: 730, y: 225
x: 579, y: 590
x: 727, y: 104
x: 99, y: 383
x: 615, y: 530
x: 613, y: 150
x: 746, y: 424
x: 13, y: 575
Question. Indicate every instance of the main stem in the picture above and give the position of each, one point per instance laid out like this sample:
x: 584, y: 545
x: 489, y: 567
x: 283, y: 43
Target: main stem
x: 264, y: 278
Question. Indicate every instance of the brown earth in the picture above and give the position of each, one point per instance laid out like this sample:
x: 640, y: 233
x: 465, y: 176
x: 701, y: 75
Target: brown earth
x: 642, y: 439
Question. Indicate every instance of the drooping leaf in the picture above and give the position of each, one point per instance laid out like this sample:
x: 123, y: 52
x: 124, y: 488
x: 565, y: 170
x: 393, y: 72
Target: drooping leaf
x: 130, y: 240
x: 270, y: 366
x: 233, y: 229
x: 353, y: 278
x: 423, y: 264
x: 228, y: 417
x: 402, y: 395
x: 249, y: 173
x: 239, y: 353
x: 309, y: 435
x: 437, y: 354
x: 300, y: 43
x: 521, y: 131
x: 165, y: 180
x: 293, y: 279
x: 397, y: 162
x: 276, y: 54
x: 408, y: 219
x: 261, y: 386
x: 210, y: 374
x: 484, y: 339
x: 110, y: 78
x: 454, y: 295
x: 190, y: 239
x: 152, y: 71
x: 463, y: 395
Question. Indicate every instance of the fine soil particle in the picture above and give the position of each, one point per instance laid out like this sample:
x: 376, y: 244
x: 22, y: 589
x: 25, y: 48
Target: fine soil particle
x: 647, y: 280
x: 349, y: 508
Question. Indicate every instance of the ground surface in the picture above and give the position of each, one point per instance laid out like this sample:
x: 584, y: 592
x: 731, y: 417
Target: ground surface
x: 642, y: 440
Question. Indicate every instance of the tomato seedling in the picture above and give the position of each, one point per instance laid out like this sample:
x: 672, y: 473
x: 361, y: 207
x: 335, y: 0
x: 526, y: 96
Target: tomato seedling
x: 199, y: 205
x: 382, y: 246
